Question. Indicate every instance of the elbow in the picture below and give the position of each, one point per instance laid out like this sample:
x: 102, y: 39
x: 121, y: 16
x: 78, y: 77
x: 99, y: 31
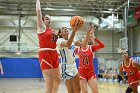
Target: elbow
x: 68, y: 45
x: 103, y: 46
x: 38, y: 11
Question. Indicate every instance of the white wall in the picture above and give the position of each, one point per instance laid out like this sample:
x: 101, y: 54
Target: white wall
x: 29, y: 36
x: 136, y: 40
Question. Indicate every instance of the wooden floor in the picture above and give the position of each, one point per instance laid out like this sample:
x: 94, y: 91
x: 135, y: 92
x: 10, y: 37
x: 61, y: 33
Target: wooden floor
x: 37, y: 86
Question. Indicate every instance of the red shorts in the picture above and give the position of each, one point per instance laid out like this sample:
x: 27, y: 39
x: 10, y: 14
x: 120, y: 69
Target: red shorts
x: 48, y: 59
x: 86, y: 73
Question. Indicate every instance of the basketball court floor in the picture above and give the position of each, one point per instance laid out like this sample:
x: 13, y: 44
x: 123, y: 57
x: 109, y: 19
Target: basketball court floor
x: 37, y: 86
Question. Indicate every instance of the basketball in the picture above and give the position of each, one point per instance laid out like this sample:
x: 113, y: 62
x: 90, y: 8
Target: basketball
x: 73, y: 21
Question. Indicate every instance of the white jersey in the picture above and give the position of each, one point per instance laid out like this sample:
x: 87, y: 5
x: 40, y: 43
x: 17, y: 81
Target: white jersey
x: 68, y: 64
x: 67, y: 54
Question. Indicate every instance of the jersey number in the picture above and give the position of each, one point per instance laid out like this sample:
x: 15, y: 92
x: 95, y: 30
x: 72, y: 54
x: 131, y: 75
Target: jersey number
x: 85, y: 61
x: 54, y: 38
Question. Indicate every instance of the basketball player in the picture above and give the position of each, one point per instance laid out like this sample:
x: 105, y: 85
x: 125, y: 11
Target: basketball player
x: 66, y: 47
x: 132, y: 69
x: 86, y: 67
x: 1, y: 69
x: 48, y: 56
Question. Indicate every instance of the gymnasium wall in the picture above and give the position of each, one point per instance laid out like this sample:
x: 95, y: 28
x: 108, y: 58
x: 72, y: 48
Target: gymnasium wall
x: 136, y: 39
x: 27, y: 67
x: 109, y: 57
x: 29, y: 36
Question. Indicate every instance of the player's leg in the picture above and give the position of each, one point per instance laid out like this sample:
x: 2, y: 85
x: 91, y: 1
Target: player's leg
x: 93, y: 85
x: 56, y: 79
x: 69, y: 85
x: 76, y: 82
x: 135, y: 89
x: 83, y: 84
x: 48, y: 77
x: 128, y: 90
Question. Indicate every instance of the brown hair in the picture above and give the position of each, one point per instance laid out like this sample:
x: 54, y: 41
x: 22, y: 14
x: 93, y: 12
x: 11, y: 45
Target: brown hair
x: 43, y: 15
x: 58, y: 34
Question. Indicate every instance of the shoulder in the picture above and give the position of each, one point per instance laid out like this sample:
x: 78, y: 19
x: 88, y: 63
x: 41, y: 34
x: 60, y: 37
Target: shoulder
x: 135, y: 63
x: 60, y: 40
x: 121, y: 65
x: 41, y: 29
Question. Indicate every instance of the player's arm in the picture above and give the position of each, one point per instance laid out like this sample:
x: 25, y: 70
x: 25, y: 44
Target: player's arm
x: 70, y: 40
x: 85, y: 41
x: 99, y: 44
x: 40, y: 25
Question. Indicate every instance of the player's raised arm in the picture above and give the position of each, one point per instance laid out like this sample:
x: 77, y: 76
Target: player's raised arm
x: 40, y: 23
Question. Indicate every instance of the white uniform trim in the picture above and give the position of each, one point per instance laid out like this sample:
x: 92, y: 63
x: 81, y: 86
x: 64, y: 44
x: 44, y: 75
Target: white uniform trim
x: 92, y: 77
x: 46, y: 63
x: 85, y: 49
x: 78, y: 50
x: 91, y: 49
x: 43, y: 49
x: 82, y: 77
x: 134, y: 82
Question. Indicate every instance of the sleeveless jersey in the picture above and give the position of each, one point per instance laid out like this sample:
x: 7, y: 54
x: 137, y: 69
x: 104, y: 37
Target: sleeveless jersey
x: 131, y: 70
x: 85, y: 57
x: 67, y: 57
x: 86, y: 54
x: 67, y: 54
x: 47, y: 39
x: 48, y: 59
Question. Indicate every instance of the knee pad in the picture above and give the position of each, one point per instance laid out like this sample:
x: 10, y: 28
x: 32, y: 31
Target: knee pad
x: 128, y: 90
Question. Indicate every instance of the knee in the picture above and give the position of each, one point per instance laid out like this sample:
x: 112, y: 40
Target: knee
x: 48, y: 85
x: 57, y: 79
x: 71, y: 91
x: 84, y: 91
x: 78, y: 90
x: 128, y: 90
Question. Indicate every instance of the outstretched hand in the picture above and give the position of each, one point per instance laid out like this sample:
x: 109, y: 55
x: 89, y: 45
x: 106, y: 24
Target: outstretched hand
x: 76, y: 26
x: 90, y: 32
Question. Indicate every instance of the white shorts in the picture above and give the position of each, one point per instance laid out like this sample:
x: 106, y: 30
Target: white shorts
x: 68, y: 71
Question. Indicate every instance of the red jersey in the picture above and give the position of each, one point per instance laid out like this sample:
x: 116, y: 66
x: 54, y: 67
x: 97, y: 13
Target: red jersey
x: 132, y: 71
x: 48, y: 59
x: 47, y: 39
x: 86, y: 54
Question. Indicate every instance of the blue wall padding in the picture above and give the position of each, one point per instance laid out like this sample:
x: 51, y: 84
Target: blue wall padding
x: 136, y: 58
x: 21, y: 68
x: 95, y: 63
x: 28, y: 67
